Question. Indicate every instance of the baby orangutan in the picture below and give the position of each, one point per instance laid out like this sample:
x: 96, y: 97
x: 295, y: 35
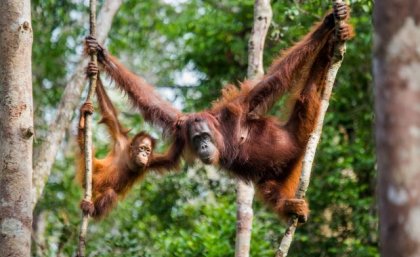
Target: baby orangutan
x: 127, y: 161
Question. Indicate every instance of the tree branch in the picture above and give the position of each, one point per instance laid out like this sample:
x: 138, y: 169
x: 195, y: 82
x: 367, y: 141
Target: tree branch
x: 314, y: 138
x: 88, y: 138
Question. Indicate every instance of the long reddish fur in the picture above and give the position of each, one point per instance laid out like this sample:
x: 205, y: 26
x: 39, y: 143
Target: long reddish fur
x: 252, y: 146
x: 112, y: 176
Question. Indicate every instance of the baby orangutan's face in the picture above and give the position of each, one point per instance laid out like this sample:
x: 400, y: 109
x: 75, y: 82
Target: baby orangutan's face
x: 140, y: 151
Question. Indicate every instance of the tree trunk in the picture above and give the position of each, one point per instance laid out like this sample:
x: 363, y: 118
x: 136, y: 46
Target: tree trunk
x: 397, y: 107
x: 245, y: 192
x: 71, y: 98
x: 16, y: 127
x: 39, y: 243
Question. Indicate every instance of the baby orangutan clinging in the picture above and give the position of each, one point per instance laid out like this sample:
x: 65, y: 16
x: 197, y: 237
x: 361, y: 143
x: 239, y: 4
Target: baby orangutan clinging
x: 127, y: 161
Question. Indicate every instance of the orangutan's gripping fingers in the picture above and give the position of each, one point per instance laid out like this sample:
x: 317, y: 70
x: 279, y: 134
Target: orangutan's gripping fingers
x: 87, y: 207
x: 92, y: 69
x: 344, y: 32
x: 341, y: 11
x: 297, y: 207
x: 87, y: 108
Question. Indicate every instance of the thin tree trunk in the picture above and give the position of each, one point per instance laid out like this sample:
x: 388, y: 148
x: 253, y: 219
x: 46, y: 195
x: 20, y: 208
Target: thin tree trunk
x: 262, y: 21
x: 313, y: 141
x: 244, y: 216
x: 397, y: 93
x: 71, y: 98
x: 245, y: 192
x: 88, y: 138
x: 16, y: 127
x: 38, y: 233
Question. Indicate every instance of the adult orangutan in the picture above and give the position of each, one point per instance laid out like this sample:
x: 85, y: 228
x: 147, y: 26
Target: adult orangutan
x: 126, y: 163
x: 235, y: 133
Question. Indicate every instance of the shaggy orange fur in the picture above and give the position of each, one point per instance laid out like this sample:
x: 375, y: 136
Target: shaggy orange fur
x: 249, y: 144
x: 114, y: 175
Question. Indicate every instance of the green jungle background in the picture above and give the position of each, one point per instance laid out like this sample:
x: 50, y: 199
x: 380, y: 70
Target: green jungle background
x: 189, y: 49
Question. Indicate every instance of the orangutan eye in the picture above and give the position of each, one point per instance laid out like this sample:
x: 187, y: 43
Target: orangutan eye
x: 144, y: 149
x: 206, y: 137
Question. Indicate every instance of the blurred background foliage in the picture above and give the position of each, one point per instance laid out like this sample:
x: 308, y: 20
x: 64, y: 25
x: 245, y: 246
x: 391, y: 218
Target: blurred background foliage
x: 189, y: 49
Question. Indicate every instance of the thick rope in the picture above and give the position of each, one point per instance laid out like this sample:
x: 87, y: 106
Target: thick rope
x: 314, y: 138
x: 88, y: 139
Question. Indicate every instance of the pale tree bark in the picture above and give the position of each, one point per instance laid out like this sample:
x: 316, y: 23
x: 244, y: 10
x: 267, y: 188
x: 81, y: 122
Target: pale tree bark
x: 313, y: 141
x: 397, y: 107
x: 39, y: 243
x: 245, y: 192
x: 71, y: 98
x: 88, y: 139
x: 16, y: 127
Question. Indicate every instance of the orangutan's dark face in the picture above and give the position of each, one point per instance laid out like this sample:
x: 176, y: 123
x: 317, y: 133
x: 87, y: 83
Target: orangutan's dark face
x: 202, y: 141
